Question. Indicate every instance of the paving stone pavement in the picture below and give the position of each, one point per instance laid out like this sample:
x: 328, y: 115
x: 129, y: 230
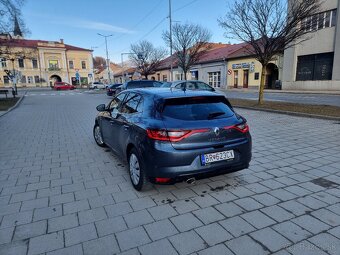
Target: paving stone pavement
x: 62, y: 194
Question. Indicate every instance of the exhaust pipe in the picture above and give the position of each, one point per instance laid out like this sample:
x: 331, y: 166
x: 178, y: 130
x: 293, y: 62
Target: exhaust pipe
x: 190, y: 180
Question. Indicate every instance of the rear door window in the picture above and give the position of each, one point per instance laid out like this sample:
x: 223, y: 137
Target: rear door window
x: 116, y: 101
x: 197, y: 108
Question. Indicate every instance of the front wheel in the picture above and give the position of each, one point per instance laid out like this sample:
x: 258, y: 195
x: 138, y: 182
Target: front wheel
x: 97, y: 134
x: 137, y: 171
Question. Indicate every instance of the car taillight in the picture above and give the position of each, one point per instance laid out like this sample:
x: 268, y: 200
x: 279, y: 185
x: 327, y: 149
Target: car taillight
x: 243, y: 128
x: 172, y: 135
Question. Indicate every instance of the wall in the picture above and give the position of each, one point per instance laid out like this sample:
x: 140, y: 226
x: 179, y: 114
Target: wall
x: 205, y: 69
x: 322, y: 41
x: 252, y: 83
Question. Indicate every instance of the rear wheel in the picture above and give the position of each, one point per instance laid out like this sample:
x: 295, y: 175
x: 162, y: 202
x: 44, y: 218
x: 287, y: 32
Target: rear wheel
x: 97, y: 134
x: 137, y: 171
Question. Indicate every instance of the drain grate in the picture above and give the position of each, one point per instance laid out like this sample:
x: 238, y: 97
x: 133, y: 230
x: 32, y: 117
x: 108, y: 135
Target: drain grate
x: 324, y: 183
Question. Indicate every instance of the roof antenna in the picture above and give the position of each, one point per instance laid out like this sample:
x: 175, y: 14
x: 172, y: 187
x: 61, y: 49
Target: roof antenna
x: 185, y: 86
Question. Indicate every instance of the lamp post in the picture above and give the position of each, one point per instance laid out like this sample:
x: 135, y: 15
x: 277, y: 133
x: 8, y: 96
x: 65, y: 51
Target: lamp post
x: 92, y: 48
x: 170, y: 34
x: 107, y: 56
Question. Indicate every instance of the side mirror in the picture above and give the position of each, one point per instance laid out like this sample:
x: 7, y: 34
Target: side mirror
x: 101, y: 108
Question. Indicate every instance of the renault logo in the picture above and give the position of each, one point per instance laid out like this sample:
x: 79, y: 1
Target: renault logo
x: 217, y: 131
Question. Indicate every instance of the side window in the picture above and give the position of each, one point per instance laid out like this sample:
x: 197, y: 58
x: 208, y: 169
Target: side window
x: 132, y: 104
x: 116, y: 101
x: 180, y: 86
x: 203, y: 86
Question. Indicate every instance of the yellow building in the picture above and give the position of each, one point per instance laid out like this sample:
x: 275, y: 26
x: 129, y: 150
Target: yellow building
x: 40, y: 63
x: 245, y: 72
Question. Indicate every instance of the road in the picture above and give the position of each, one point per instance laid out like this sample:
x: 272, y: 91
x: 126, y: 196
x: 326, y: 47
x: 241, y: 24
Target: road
x: 62, y: 194
x: 319, y: 99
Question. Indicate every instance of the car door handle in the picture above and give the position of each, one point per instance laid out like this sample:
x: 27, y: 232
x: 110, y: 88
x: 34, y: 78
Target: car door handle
x: 126, y: 127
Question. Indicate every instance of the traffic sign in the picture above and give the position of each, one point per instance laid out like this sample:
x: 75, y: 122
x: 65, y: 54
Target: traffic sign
x: 230, y: 72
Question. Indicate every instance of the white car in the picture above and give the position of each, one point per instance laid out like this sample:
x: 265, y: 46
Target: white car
x: 97, y: 85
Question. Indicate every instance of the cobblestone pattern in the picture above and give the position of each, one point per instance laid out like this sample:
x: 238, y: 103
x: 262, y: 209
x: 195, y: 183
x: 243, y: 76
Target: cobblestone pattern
x: 61, y: 194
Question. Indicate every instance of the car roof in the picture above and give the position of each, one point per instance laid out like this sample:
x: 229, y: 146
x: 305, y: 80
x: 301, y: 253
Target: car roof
x: 172, y: 93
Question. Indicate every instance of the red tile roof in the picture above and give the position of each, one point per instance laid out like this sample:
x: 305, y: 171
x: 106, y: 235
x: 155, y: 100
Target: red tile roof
x: 216, y: 54
x: 38, y: 43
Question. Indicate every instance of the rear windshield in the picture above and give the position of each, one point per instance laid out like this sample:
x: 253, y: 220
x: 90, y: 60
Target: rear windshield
x: 143, y: 84
x: 197, y: 108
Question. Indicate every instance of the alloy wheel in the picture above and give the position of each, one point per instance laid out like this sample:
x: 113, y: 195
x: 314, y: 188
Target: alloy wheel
x: 98, y: 135
x: 134, y: 169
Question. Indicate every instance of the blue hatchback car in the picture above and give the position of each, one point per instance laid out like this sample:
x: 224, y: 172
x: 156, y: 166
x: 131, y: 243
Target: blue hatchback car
x: 172, y: 135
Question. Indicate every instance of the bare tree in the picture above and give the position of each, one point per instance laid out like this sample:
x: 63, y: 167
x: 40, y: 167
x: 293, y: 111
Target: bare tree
x: 146, y: 57
x: 190, y: 42
x: 11, y: 18
x: 99, y: 62
x: 269, y: 27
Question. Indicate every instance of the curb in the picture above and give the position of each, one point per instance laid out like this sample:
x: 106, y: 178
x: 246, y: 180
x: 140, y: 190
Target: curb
x: 330, y: 93
x: 299, y: 114
x: 13, y: 107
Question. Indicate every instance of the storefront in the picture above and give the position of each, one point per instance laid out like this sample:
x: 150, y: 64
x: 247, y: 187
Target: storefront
x: 246, y: 73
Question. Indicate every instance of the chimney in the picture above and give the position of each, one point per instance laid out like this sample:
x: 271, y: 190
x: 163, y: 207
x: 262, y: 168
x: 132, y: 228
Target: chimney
x: 62, y: 41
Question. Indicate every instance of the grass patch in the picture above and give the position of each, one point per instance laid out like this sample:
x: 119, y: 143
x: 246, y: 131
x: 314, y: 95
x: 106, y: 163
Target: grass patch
x: 6, y: 103
x: 325, y: 110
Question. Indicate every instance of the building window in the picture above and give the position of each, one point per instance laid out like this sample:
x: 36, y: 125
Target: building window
x: 315, y: 67
x: 36, y: 79
x: 333, y: 22
x: 70, y: 64
x: 179, y: 76
x: 3, y: 62
x: 53, y: 64
x: 29, y: 79
x: 23, y: 79
x: 6, y: 79
x: 320, y: 21
x: 256, y: 76
x: 35, y: 63
x: 165, y: 78
x: 83, y: 64
x: 21, y: 62
x: 214, y: 79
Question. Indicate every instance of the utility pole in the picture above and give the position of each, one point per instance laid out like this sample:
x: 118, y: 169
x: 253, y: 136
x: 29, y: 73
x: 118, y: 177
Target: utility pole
x: 92, y: 48
x: 107, y: 56
x: 170, y: 21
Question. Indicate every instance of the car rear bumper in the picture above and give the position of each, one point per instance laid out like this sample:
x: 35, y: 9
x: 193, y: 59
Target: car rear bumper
x: 166, y: 162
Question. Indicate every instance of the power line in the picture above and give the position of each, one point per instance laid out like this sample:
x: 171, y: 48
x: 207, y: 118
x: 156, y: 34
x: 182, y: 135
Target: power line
x: 186, y: 5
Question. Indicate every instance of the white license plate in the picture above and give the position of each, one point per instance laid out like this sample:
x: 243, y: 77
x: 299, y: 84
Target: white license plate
x: 217, y: 156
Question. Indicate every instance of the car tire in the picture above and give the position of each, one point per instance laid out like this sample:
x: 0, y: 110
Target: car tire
x: 97, y: 134
x: 138, y: 177
x: 95, y: 87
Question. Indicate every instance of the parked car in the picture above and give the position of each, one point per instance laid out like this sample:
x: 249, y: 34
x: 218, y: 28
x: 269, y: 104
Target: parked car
x: 63, y: 86
x: 189, y: 85
x: 111, y: 89
x: 97, y: 85
x: 138, y: 84
x: 173, y: 135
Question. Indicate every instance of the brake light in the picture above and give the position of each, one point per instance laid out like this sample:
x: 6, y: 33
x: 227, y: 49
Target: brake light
x: 243, y: 128
x: 172, y: 135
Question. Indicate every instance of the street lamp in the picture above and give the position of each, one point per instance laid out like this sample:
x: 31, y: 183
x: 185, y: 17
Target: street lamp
x: 107, y: 56
x: 92, y: 48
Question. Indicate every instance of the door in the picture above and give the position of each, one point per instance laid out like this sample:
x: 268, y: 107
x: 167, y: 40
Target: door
x: 107, y: 120
x: 128, y: 116
x: 235, y: 78
x: 245, y: 78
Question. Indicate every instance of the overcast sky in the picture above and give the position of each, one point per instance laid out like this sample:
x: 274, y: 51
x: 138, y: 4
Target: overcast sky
x: 129, y: 21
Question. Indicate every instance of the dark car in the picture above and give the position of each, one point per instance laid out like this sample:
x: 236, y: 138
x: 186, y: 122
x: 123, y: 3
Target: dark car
x: 139, y: 84
x: 189, y: 85
x: 111, y: 89
x: 172, y: 135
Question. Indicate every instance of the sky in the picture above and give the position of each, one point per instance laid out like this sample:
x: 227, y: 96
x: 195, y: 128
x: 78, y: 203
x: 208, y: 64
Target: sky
x: 78, y: 22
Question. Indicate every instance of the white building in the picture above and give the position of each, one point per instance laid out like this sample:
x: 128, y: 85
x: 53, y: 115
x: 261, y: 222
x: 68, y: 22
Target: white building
x: 315, y: 64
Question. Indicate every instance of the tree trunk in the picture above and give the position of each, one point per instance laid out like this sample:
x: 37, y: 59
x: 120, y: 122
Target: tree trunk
x: 262, y: 83
x: 185, y: 75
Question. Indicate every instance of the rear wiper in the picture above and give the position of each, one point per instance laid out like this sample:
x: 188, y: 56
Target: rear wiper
x: 214, y: 115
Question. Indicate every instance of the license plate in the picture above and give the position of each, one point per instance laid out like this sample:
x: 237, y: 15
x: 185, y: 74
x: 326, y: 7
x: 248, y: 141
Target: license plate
x: 217, y: 156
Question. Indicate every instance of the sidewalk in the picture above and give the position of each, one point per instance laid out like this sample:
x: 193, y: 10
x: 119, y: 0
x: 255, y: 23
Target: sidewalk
x: 282, y: 91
